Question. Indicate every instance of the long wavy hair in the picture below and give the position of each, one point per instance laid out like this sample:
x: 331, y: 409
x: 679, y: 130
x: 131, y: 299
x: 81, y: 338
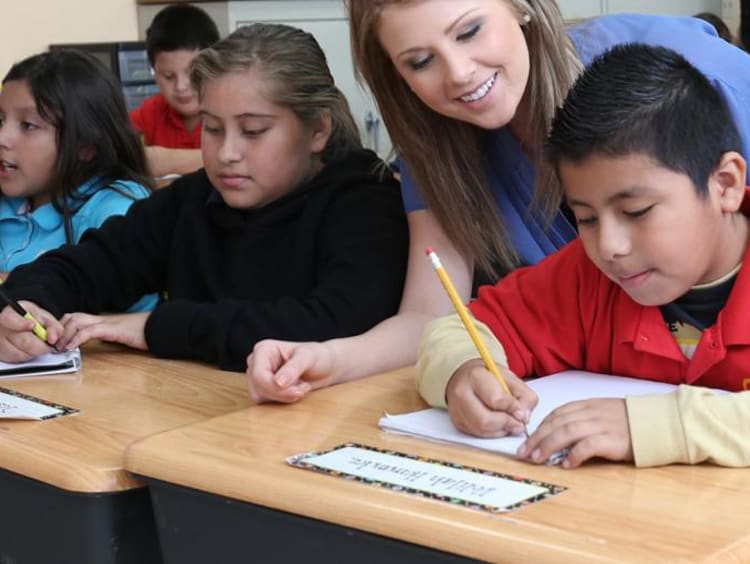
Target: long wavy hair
x: 444, y: 154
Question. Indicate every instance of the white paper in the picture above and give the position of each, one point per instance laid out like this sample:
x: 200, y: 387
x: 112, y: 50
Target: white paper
x: 473, y: 487
x: 553, y: 391
x: 13, y: 407
x: 51, y: 363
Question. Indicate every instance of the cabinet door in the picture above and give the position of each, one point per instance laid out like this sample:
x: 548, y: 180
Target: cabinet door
x: 326, y: 20
x: 682, y: 8
x: 578, y: 9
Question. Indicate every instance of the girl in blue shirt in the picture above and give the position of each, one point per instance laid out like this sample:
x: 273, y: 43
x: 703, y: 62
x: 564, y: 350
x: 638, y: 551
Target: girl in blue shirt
x: 467, y: 90
x: 68, y: 156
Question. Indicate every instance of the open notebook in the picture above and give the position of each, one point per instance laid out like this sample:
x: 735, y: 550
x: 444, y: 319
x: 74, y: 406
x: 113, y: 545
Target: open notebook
x: 52, y: 363
x: 553, y: 391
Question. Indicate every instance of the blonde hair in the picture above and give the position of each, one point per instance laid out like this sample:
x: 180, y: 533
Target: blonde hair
x: 295, y: 75
x: 443, y: 154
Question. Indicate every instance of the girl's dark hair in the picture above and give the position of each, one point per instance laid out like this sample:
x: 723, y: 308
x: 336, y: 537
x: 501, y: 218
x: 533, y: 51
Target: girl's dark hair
x: 641, y: 99
x: 80, y: 97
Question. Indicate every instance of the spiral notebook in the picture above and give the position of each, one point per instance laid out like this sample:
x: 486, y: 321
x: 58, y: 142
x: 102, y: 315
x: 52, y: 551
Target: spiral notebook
x: 52, y: 363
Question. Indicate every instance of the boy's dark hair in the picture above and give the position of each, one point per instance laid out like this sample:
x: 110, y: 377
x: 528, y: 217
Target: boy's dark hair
x: 640, y: 99
x: 82, y: 99
x: 180, y: 26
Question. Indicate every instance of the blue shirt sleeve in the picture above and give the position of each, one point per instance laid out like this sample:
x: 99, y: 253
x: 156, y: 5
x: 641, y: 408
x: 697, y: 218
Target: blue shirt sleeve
x: 409, y: 191
x: 108, y: 202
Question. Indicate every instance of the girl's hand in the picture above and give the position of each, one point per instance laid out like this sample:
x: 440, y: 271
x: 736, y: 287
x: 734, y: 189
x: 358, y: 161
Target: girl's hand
x: 17, y: 341
x: 589, y: 428
x: 123, y: 328
x: 286, y: 371
x: 478, y: 405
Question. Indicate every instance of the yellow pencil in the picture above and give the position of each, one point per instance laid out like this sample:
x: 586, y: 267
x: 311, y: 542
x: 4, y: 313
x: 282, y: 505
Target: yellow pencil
x: 39, y: 329
x: 468, y: 323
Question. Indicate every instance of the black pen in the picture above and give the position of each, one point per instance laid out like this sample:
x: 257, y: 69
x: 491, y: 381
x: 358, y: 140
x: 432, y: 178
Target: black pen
x: 39, y: 329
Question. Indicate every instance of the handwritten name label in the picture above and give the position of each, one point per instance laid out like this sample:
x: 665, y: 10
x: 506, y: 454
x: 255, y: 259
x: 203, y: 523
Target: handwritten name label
x: 486, y: 489
x: 15, y: 405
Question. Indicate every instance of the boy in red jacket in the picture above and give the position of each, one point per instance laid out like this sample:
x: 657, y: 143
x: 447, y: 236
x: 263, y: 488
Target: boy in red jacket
x: 650, y: 163
x: 170, y: 122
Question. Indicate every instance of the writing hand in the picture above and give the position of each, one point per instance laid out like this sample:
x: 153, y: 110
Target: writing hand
x: 478, y: 405
x: 17, y: 341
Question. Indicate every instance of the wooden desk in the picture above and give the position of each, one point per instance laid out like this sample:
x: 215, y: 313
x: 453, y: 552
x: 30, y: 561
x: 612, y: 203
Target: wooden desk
x: 611, y: 512
x: 67, y: 496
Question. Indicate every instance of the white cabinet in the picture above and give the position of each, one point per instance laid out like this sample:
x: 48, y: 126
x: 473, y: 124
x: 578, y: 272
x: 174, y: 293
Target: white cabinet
x: 681, y: 8
x: 326, y: 20
x: 575, y: 9
x: 579, y: 9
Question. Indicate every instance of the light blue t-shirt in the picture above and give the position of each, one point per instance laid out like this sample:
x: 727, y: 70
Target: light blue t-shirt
x: 24, y: 234
x: 511, y: 174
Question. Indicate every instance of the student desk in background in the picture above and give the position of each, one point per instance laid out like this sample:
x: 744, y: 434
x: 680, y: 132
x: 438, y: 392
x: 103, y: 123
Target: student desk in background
x: 223, y: 493
x: 66, y: 496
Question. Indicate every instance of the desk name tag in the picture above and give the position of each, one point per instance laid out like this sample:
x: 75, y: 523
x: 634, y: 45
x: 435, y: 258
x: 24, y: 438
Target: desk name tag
x: 471, y: 487
x: 15, y: 405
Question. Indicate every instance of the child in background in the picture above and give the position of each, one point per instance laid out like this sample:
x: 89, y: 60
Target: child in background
x: 654, y: 287
x: 68, y: 157
x: 170, y: 122
x: 293, y: 230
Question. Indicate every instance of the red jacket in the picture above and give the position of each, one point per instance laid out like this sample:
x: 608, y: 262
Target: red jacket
x: 565, y: 314
x: 161, y: 125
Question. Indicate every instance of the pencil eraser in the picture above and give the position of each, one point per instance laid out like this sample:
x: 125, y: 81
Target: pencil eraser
x: 429, y: 250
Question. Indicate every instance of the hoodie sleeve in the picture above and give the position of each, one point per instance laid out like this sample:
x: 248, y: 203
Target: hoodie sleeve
x: 360, y: 267
x: 445, y: 346
x: 690, y: 426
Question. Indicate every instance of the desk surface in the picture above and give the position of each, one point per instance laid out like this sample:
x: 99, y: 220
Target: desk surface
x: 122, y: 396
x: 610, y: 512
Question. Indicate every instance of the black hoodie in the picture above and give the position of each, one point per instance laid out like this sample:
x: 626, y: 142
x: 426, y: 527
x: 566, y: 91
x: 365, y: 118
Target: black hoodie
x: 327, y: 260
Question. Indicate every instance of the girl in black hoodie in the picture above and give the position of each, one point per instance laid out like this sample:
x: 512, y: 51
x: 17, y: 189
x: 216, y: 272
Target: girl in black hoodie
x: 291, y: 231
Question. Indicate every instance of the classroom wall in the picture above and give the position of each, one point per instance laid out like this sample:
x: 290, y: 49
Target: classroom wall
x: 37, y: 23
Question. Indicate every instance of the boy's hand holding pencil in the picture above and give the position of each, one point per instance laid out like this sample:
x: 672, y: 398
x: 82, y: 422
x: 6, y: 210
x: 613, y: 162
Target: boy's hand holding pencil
x: 479, y: 406
x: 481, y: 399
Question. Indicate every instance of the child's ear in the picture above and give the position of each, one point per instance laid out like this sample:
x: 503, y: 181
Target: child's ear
x: 730, y: 178
x: 321, y: 133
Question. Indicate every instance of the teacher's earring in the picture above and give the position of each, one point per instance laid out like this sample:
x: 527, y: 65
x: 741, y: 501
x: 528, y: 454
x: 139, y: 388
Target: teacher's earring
x: 526, y: 19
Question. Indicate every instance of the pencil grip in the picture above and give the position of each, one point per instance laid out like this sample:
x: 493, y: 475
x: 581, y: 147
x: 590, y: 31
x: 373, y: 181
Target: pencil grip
x: 39, y: 329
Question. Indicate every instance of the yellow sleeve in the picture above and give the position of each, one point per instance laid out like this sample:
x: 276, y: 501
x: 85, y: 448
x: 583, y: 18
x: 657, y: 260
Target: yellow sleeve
x: 690, y: 426
x: 445, y: 346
